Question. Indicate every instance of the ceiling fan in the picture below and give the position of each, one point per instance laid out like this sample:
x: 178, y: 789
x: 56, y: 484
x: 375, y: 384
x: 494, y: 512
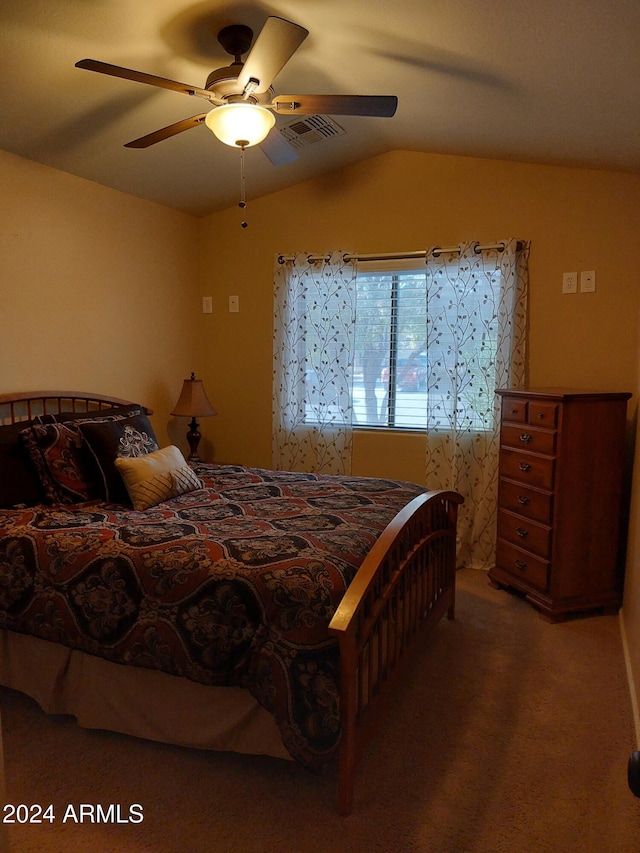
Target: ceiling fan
x: 242, y: 97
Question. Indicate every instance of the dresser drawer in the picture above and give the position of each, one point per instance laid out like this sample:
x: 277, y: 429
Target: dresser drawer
x: 514, y: 410
x: 522, y: 565
x: 527, y: 468
x: 543, y: 414
x: 529, y: 438
x: 524, y: 533
x: 525, y: 501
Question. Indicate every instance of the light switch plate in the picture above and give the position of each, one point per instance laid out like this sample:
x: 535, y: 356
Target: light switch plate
x: 587, y: 281
x: 234, y: 304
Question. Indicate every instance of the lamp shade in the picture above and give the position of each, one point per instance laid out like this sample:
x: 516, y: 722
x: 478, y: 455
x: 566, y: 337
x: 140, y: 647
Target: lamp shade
x: 240, y: 124
x: 193, y: 401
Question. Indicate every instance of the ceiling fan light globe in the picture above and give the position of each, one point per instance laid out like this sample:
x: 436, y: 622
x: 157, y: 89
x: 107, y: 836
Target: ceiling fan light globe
x: 240, y: 125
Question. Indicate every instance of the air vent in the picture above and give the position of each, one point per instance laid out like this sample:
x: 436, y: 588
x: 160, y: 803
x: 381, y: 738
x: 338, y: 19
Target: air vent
x: 305, y: 131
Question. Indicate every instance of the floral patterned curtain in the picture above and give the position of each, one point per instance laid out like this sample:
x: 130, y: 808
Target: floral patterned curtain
x: 314, y: 330
x: 476, y: 334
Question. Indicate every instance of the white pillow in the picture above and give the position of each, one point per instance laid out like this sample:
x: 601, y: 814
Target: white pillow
x: 157, y: 476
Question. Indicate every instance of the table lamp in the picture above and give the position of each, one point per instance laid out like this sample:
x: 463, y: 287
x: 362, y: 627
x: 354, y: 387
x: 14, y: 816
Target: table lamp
x: 193, y: 403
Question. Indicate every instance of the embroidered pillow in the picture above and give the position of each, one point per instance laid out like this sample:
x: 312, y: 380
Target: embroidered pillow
x: 108, y: 440
x: 62, y: 462
x: 156, y: 477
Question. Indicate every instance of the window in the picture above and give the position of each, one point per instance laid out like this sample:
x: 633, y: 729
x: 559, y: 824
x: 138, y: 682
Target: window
x: 416, y: 347
x: 424, y: 360
x: 390, y: 359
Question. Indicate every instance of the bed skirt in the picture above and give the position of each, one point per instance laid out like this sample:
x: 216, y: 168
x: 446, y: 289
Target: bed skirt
x: 134, y: 701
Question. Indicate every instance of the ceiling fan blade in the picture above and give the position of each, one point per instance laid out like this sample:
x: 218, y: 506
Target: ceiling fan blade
x: 141, y: 77
x: 277, y: 149
x: 381, y: 106
x: 166, y: 132
x: 277, y: 42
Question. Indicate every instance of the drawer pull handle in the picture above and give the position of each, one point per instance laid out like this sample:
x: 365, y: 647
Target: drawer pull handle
x: 524, y: 466
x: 525, y: 437
x: 540, y: 416
x: 523, y: 500
x: 513, y: 411
x: 522, y: 532
x: 520, y: 564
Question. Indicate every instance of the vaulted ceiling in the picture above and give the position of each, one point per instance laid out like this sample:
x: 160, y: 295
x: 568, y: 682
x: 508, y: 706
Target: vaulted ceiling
x: 553, y: 81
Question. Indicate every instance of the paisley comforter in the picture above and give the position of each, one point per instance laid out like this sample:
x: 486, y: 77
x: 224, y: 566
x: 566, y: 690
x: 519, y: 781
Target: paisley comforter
x: 232, y: 584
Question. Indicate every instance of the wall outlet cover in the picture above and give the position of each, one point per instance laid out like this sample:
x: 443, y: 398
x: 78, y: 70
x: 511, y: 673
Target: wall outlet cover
x: 587, y: 281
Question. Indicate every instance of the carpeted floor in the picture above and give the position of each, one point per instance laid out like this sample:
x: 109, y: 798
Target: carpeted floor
x: 510, y: 734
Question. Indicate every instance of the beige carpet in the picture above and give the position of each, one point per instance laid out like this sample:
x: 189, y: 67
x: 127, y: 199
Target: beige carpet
x: 510, y: 734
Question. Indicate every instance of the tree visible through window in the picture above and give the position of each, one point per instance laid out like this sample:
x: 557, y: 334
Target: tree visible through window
x: 420, y: 358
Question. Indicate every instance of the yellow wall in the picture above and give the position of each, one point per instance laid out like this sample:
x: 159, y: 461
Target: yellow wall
x: 98, y: 290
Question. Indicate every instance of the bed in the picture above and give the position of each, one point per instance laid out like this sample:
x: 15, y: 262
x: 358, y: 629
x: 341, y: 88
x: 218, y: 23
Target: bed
x: 210, y: 606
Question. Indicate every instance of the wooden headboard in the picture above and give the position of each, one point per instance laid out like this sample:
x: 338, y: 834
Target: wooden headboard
x: 26, y: 405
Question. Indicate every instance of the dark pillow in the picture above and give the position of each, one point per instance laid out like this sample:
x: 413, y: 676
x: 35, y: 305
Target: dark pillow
x: 19, y: 483
x: 108, y: 440
x: 63, y: 462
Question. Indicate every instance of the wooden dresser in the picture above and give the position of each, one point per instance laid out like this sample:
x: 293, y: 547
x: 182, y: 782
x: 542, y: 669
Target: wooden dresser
x: 560, y: 499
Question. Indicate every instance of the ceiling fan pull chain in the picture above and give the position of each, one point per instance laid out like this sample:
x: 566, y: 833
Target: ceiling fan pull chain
x: 242, y: 203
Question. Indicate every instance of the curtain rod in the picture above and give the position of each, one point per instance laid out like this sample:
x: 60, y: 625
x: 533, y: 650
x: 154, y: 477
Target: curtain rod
x: 400, y: 256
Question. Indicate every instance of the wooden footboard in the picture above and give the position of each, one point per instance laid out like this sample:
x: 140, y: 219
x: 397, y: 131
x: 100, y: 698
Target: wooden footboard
x: 406, y: 581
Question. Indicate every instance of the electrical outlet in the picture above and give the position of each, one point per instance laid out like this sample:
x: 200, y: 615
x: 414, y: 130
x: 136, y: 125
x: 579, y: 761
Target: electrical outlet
x: 207, y: 305
x: 569, y: 282
x: 588, y: 281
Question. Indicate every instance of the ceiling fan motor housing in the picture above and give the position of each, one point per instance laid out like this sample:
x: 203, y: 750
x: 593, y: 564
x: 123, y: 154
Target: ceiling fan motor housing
x: 223, y: 81
x: 223, y: 85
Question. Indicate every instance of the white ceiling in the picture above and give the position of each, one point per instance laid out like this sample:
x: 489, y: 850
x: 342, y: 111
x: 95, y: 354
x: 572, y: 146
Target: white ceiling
x: 555, y: 81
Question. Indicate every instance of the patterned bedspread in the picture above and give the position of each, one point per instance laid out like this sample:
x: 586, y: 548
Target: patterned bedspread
x: 233, y: 584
